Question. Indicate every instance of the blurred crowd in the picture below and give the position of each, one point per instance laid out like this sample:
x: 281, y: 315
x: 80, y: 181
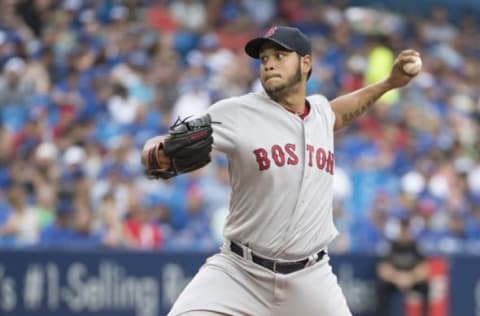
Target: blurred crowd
x: 84, y: 83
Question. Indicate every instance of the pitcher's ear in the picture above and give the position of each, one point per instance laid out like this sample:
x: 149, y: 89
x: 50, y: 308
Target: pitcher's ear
x: 307, y: 65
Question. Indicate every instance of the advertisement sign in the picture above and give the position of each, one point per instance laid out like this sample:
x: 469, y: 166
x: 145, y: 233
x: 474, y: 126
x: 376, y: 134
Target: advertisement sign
x: 93, y: 283
x: 357, y: 277
x: 135, y: 283
x: 465, y: 285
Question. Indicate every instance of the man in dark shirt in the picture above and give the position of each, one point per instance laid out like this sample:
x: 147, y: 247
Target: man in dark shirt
x: 402, y: 269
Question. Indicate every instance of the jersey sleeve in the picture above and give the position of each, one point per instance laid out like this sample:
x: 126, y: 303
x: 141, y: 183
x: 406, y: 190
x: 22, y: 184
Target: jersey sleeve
x: 323, y: 105
x: 223, y: 114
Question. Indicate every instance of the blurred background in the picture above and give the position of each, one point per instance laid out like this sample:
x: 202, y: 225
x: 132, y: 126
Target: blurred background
x: 85, y: 83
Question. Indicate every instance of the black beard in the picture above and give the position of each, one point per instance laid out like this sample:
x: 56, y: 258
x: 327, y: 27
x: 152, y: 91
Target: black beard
x: 278, y: 92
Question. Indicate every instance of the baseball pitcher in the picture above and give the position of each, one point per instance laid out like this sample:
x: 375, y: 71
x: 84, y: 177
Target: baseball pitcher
x: 280, y: 149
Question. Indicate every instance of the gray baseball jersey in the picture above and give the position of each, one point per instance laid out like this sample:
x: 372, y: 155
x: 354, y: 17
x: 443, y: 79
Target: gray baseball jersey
x: 281, y: 169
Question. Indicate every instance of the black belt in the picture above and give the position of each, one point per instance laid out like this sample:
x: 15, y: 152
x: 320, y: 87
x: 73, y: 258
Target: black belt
x: 275, y: 266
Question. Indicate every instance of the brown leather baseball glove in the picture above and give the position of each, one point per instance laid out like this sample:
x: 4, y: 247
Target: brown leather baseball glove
x: 188, y: 146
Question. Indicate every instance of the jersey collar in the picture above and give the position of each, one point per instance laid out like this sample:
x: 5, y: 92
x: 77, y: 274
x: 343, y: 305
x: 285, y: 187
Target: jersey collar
x: 303, y: 115
x: 306, y: 110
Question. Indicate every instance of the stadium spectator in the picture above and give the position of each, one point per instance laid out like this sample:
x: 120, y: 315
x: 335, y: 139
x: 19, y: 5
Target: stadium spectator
x: 402, y: 269
x: 140, y: 229
x: 59, y: 233
x: 15, y: 89
x: 23, y: 223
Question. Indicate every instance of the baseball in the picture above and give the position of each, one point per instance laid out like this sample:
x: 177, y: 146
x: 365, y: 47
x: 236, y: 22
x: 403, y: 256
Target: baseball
x: 414, y: 67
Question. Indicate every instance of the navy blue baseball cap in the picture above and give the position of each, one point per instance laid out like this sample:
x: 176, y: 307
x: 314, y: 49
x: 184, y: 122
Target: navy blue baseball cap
x: 290, y: 38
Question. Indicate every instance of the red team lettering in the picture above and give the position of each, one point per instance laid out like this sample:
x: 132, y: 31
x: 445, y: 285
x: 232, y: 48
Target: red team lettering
x: 321, y: 157
x: 292, y: 157
x: 278, y: 155
x: 310, y: 150
x: 324, y: 160
x: 262, y: 159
